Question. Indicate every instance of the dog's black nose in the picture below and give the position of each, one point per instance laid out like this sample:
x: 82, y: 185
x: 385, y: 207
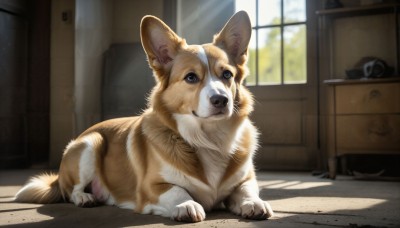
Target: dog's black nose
x: 219, y: 101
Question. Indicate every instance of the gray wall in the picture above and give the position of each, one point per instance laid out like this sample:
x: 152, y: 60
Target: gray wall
x: 77, y: 55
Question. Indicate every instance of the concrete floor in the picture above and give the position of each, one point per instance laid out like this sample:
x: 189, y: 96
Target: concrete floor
x: 298, y: 199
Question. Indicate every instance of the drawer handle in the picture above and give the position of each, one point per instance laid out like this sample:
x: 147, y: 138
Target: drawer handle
x: 374, y: 94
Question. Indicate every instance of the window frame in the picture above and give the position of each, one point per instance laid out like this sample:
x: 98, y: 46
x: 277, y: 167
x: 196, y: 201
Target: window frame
x: 281, y: 25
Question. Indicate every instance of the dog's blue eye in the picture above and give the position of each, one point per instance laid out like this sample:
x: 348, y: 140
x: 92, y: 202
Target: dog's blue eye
x: 191, y: 78
x: 227, y: 74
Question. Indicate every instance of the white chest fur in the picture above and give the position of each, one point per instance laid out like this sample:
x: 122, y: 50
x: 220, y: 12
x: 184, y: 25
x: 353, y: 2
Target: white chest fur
x: 214, y: 166
x: 214, y: 152
x: 206, y: 194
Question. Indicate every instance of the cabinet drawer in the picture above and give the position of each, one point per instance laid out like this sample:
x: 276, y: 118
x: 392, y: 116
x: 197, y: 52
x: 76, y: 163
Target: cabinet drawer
x: 368, y: 133
x: 368, y: 98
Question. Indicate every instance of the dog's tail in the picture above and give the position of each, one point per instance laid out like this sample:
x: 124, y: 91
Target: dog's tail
x: 41, y: 189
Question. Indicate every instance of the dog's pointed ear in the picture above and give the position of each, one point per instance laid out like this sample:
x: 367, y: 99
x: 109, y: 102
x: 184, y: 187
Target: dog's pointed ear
x: 235, y: 37
x: 159, y: 42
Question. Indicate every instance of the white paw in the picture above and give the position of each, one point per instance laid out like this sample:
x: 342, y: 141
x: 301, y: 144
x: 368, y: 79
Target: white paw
x: 189, y: 211
x: 253, y: 209
x: 83, y: 199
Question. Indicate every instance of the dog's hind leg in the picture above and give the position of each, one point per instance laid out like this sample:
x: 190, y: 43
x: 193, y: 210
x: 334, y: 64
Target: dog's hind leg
x: 87, y: 146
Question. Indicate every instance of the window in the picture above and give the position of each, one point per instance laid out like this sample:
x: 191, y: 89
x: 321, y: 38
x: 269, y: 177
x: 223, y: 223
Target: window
x: 278, y: 44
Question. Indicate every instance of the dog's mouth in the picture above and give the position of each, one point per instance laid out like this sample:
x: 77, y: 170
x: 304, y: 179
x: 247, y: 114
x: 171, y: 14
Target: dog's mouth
x: 217, y: 114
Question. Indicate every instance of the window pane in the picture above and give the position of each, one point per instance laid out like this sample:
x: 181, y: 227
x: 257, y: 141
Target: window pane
x: 249, y: 6
x: 269, y: 12
x: 295, y: 54
x: 269, y: 56
x: 251, y: 78
x: 294, y: 11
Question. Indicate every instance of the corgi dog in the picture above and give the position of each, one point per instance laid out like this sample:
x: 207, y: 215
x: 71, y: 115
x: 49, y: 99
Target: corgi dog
x: 189, y: 152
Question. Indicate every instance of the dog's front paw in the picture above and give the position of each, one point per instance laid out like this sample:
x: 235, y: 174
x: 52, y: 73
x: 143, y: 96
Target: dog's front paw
x: 253, y: 209
x: 189, y: 211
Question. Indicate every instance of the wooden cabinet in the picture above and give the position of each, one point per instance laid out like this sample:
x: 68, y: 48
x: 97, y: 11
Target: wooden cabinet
x: 363, y: 118
x: 359, y: 116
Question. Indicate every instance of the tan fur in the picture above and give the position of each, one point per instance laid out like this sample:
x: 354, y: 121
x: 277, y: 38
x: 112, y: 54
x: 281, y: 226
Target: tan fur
x: 172, y: 148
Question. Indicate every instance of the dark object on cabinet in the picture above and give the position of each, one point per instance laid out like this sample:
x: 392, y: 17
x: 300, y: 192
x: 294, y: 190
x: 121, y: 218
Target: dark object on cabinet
x: 333, y: 4
x: 370, y: 67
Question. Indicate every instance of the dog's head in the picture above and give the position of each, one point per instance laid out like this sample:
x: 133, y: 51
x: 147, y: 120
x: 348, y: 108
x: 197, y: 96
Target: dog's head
x: 203, y: 81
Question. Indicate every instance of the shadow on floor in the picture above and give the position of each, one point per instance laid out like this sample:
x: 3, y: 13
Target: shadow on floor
x: 68, y: 215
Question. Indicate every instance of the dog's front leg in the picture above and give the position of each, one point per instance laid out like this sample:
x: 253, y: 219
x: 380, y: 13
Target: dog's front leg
x: 180, y: 206
x: 246, y: 202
